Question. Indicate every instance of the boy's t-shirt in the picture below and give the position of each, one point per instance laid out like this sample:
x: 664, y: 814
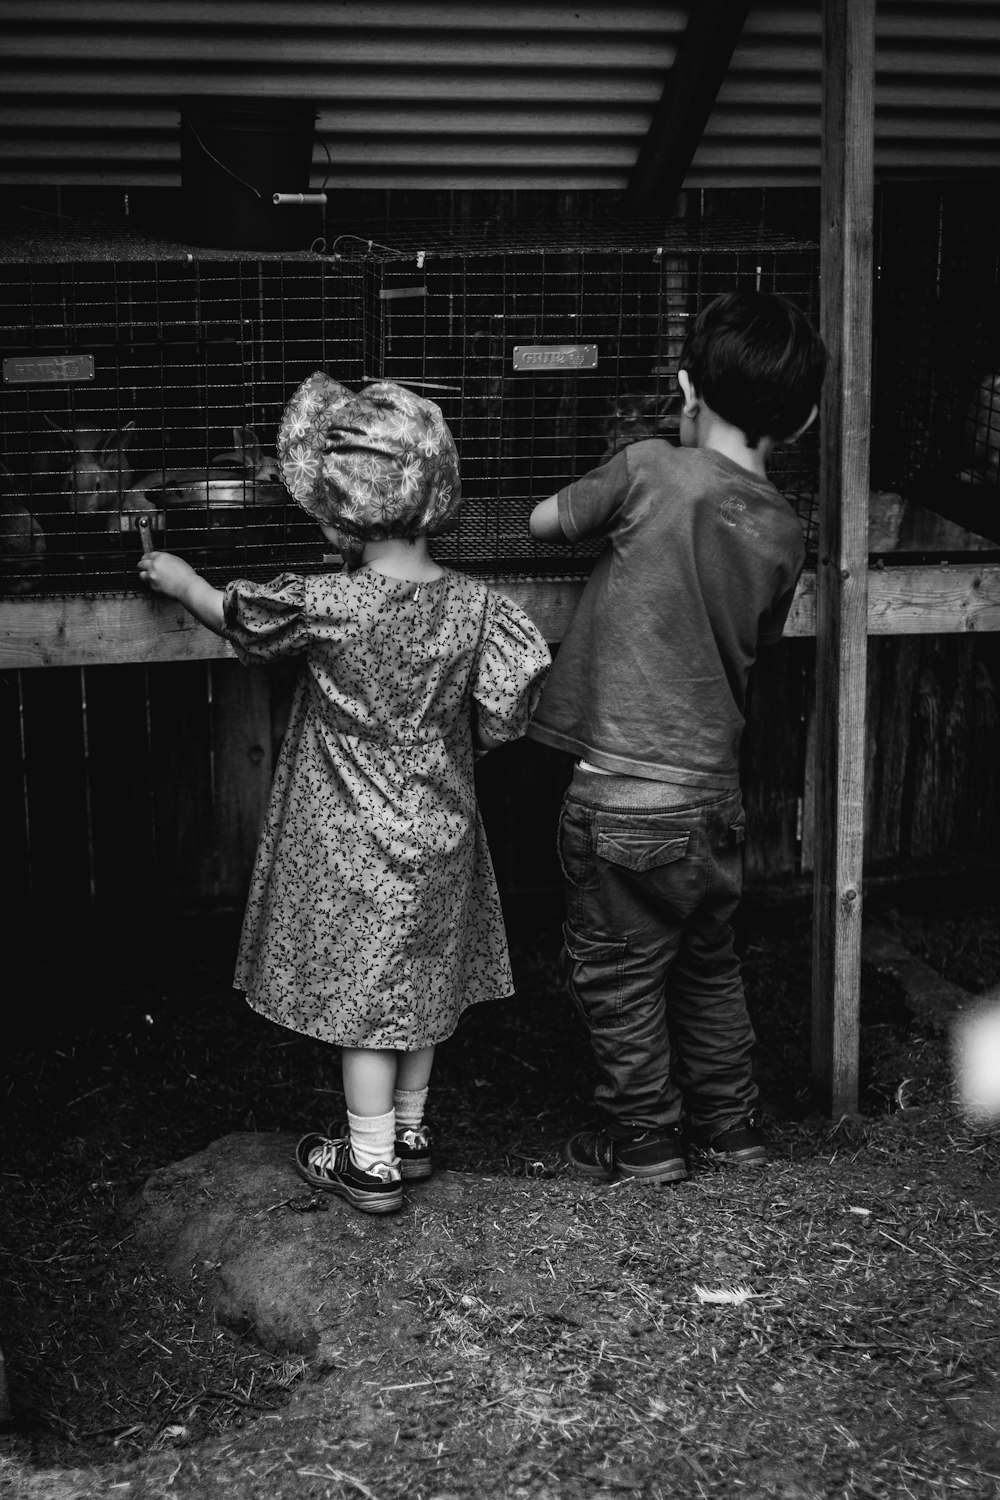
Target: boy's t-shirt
x: 700, y: 569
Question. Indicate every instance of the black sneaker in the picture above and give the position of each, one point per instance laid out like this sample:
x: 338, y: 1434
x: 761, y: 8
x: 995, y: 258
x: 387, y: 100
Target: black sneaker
x: 739, y: 1145
x: 654, y: 1156
x: 327, y: 1164
x: 413, y: 1149
x: 591, y: 1153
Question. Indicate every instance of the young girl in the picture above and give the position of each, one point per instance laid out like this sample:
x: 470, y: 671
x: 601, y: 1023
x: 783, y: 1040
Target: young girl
x: 373, y: 918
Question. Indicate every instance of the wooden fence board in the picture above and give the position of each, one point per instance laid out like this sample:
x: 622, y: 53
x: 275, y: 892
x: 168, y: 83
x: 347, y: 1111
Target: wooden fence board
x: 56, y: 781
x: 13, y: 802
x: 772, y: 758
x: 181, y: 767
x: 124, y: 843
x: 938, y: 599
x: 241, y: 742
x: 892, y: 673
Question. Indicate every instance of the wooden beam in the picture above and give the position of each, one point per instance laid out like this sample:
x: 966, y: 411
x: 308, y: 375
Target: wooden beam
x: 846, y: 209
x: 686, y: 104
x: 942, y: 599
x: 951, y: 599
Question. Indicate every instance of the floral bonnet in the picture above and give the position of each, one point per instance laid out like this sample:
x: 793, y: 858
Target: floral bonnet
x: 373, y: 464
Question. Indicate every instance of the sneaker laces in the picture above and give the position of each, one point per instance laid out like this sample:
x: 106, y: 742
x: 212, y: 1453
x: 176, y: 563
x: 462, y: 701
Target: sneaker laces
x: 417, y: 1137
x: 383, y: 1171
x: 328, y: 1157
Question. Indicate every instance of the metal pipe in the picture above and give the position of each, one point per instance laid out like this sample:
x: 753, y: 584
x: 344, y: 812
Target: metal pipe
x: 283, y: 198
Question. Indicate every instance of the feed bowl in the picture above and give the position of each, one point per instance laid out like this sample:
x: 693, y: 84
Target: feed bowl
x: 216, y: 492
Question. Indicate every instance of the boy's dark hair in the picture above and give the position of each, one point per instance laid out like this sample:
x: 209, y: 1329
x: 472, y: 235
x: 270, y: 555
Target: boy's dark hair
x: 757, y: 361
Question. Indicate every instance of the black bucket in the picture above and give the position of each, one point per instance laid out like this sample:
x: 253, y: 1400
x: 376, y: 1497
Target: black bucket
x: 235, y: 155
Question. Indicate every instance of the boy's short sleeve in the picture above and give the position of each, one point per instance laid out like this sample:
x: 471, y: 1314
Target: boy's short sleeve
x: 513, y: 662
x: 772, y: 623
x: 264, y: 621
x: 588, y: 506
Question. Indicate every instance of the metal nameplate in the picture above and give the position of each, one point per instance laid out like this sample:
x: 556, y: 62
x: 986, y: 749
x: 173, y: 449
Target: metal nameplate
x: 394, y: 293
x: 47, y: 369
x: 555, y: 357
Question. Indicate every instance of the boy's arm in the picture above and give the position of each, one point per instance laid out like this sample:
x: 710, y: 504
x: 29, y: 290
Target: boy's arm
x: 543, y: 523
x: 587, y: 507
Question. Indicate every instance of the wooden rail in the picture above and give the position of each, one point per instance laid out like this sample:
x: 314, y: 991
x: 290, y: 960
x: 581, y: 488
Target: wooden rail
x: 945, y: 599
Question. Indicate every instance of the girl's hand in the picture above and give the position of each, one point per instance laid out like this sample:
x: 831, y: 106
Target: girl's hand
x: 166, y: 573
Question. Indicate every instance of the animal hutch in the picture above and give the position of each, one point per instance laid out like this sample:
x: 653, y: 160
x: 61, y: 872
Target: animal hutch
x: 142, y: 387
x: 142, y: 390
x: 145, y: 394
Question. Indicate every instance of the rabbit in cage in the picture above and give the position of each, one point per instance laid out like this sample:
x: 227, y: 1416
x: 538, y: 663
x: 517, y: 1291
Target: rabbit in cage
x: 637, y: 414
x: 88, y: 471
x: 244, y: 474
x: 981, y: 434
x: 249, y: 456
x: 88, y: 474
x: 22, y: 541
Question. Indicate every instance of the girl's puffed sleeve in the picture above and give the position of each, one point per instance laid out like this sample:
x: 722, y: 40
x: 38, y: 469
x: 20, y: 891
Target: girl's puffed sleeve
x: 513, y: 663
x: 264, y: 621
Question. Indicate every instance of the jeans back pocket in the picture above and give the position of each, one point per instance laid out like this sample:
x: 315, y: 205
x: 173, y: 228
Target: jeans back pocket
x: 641, y: 848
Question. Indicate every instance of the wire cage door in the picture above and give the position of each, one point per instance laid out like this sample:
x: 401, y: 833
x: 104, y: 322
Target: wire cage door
x: 547, y: 353
x: 936, y: 386
x: 148, y: 394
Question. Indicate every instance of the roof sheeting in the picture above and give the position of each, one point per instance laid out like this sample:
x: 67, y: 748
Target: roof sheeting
x: 460, y: 95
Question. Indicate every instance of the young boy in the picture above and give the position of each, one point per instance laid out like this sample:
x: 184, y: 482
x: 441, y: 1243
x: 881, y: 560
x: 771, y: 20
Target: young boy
x: 647, y: 691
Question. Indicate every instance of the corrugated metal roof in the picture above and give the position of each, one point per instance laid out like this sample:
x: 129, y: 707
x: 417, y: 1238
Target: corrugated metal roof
x: 424, y: 94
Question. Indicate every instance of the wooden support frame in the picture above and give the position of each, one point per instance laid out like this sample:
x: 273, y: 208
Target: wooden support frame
x: 687, y: 101
x: 842, y: 579
x: 954, y: 598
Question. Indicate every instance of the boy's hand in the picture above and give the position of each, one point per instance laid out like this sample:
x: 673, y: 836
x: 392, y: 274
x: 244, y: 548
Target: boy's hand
x: 165, y: 573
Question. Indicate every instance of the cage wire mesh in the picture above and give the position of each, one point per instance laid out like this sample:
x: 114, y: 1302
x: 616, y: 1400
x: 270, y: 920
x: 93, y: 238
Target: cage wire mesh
x: 547, y: 350
x: 150, y: 391
x: 936, y: 407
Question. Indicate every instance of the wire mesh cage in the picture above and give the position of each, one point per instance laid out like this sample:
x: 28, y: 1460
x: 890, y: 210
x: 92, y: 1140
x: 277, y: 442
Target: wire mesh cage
x: 143, y: 394
x: 936, y: 405
x: 548, y: 349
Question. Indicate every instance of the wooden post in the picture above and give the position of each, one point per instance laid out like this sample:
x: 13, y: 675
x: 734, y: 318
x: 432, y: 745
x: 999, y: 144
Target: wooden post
x: 842, y: 573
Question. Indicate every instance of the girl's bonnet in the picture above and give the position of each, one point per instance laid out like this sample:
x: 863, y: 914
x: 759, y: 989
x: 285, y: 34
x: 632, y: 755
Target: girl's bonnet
x: 371, y: 464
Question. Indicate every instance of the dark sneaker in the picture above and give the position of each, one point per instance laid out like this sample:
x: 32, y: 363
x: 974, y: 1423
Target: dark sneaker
x: 739, y: 1145
x: 591, y: 1153
x: 655, y: 1156
x: 413, y: 1149
x: 327, y: 1164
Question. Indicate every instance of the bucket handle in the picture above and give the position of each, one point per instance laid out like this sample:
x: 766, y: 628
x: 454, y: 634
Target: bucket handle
x: 228, y: 170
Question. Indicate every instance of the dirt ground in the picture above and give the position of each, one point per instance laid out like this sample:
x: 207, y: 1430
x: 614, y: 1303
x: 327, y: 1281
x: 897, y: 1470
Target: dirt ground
x: 827, y: 1326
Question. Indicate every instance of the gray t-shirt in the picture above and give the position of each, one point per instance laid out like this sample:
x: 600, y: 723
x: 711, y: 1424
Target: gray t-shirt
x: 700, y: 569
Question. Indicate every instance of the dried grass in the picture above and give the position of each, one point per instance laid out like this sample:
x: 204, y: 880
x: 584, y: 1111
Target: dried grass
x: 827, y: 1328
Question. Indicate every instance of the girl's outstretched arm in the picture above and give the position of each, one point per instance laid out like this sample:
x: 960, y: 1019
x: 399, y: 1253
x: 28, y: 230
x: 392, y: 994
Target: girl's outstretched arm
x: 171, y: 575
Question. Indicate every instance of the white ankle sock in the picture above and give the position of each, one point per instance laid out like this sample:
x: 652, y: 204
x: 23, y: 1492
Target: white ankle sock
x: 372, y: 1139
x: 409, y: 1106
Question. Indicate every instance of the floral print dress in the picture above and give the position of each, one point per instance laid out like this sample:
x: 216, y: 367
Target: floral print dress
x: 373, y: 918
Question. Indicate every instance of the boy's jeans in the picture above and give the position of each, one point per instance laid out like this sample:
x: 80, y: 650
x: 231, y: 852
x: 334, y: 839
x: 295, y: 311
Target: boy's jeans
x: 654, y: 872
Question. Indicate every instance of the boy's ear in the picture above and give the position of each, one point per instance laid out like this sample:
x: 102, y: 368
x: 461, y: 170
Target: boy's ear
x: 691, y: 402
x: 806, y: 424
